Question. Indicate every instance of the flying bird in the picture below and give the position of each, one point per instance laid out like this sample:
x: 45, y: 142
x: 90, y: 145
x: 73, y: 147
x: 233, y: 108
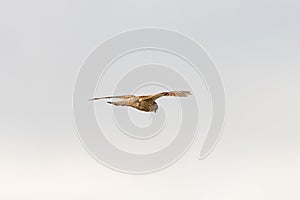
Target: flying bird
x: 143, y: 103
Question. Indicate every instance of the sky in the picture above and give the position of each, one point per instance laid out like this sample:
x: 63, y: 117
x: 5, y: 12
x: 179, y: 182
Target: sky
x: 255, y: 46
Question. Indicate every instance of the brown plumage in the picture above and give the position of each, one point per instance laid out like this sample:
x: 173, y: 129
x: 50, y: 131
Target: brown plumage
x: 143, y: 103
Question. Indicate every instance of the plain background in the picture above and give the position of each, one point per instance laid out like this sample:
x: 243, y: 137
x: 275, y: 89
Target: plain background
x: 255, y: 45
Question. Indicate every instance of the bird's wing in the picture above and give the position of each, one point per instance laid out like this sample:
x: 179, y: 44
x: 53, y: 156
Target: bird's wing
x: 113, y: 97
x: 172, y: 93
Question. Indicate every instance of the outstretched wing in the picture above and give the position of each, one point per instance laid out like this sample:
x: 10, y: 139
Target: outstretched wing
x: 125, y: 97
x: 172, y: 93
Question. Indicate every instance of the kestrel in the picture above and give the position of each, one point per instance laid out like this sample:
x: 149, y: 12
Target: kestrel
x: 143, y: 103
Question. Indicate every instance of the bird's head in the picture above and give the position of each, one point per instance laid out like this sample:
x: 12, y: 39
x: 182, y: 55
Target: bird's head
x: 154, y: 107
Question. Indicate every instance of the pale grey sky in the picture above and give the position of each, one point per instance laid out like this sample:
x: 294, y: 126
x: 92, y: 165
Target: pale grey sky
x: 255, y: 45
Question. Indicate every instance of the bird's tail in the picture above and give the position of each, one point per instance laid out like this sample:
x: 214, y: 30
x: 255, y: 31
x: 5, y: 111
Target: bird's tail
x: 118, y: 103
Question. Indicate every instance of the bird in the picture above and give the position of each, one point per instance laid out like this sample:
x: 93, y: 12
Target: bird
x: 143, y: 103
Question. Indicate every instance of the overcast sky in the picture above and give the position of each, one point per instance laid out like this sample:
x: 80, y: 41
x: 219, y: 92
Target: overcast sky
x: 254, y: 44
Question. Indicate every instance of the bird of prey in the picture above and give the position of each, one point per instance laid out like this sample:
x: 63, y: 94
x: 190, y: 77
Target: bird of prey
x: 143, y: 103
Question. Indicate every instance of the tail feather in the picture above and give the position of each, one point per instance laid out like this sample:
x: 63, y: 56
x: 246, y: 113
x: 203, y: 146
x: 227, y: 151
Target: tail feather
x: 119, y: 103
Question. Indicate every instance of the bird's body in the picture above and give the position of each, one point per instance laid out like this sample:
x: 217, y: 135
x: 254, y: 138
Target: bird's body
x: 143, y: 103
